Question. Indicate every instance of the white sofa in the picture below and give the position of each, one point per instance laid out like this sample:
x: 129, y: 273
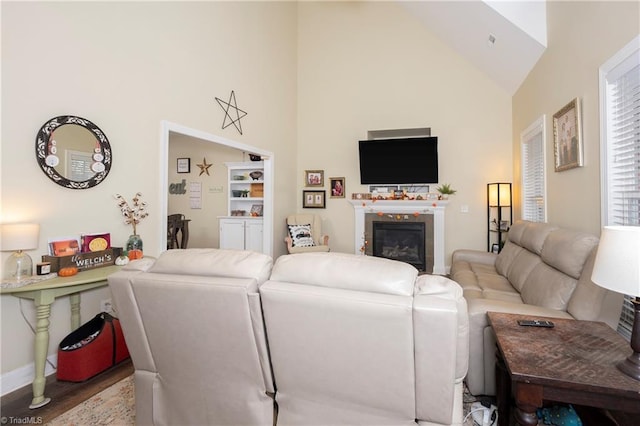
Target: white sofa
x: 193, y: 325
x: 542, y: 270
x: 352, y: 339
x: 363, y: 340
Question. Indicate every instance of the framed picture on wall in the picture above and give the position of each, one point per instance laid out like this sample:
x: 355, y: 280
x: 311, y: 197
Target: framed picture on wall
x: 184, y: 165
x: 313, y: 199
x: 567, y: 137
x: 314, y: 178
x: 337, y: 187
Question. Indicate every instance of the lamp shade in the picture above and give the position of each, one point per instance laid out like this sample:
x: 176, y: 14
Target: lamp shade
x: 617, y: 265
x: 499, y: 194
x: 19, y: 236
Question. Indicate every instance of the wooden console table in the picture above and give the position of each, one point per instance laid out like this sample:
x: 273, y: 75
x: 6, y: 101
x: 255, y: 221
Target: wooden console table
x: 574, y: 362
x: 43, y: 294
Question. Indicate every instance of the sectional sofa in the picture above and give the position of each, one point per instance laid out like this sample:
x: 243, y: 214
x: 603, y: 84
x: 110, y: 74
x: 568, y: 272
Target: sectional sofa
x: 228, y: 337
x: 542, y: 270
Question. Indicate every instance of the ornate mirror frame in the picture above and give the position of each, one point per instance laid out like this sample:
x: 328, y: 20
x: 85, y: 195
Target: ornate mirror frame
x: 46, y: 151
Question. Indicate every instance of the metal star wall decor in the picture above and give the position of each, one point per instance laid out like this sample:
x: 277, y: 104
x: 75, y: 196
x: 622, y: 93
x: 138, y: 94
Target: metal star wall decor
x: 231, y: 110
x: 204, y: 167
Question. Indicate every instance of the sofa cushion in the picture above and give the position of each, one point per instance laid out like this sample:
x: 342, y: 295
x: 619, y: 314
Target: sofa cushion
x: 547, y: 287
x: 568, y: 250
x: 214, y: 263
x: 346, y: 271
x: 521, y: 267
x: 508, y: 253
x: 534, y: 236
x: 587, y: 294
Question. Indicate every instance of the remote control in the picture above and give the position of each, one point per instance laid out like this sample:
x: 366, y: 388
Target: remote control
x: 535, y: 323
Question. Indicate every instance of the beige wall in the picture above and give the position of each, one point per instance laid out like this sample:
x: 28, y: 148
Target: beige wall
x: 370, y: 66
x: 581, y: 37
x: 127, y: 66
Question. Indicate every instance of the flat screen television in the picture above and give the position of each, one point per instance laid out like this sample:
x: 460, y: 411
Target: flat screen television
x: 399, y: 161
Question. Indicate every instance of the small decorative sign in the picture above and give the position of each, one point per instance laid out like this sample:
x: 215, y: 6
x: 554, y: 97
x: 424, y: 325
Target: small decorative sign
x: 84, y: 261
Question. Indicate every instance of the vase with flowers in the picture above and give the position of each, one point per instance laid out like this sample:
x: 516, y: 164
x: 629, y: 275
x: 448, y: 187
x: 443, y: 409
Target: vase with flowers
x: 132, y: 216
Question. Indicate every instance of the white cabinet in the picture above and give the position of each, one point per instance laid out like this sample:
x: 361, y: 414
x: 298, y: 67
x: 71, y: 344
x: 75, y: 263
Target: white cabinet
x: 242, y: 228
x: 241, y: 234
x: 245, y: 188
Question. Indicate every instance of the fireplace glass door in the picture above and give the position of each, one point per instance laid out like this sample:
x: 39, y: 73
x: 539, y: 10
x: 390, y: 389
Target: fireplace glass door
x: 400, y: 241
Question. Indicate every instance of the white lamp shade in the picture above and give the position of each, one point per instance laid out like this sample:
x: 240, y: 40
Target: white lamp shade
x: 19, y: 236
x: 617, y: 265
x: 505, y: 194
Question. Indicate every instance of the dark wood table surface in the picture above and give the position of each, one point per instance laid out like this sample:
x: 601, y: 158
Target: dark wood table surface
x: 573, y: 362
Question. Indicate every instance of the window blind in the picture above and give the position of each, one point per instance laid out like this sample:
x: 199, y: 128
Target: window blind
x: 533, y: 188
x: 620, y: 138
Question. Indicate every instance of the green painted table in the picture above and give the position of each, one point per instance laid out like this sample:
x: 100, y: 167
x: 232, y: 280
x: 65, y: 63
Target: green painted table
x: 43, y: 294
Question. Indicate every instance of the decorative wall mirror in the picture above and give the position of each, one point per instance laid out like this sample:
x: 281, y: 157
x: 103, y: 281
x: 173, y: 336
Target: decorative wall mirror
x: 73, y: 152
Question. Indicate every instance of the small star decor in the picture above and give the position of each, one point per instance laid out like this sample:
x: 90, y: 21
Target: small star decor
x: 204, y: 167
x: 232, y: 114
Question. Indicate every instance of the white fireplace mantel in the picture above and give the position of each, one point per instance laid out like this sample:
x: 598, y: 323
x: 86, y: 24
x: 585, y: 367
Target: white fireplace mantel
x: 434, y: 207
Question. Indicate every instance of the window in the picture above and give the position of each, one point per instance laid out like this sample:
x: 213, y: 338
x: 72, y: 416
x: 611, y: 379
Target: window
x: 620, y: 147
x: 533, y: 183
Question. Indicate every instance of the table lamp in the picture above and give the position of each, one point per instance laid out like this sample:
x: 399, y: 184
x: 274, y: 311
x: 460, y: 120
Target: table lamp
x: 18, y: 237
x: 617, y: 268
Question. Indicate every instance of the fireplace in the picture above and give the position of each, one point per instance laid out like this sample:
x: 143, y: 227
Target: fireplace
x: 429, y: 212
x: 404, y: 237
x: 400, y: 241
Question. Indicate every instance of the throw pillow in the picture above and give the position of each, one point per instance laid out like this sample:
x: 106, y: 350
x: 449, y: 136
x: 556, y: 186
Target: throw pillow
x: 301, y: 235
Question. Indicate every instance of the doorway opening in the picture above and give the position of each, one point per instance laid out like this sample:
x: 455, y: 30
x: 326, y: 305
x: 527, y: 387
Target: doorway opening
x: 169, y: 128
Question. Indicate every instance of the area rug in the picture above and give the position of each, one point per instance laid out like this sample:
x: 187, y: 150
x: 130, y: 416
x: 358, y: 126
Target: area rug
x: 116, y: 406
x: 113, y: 406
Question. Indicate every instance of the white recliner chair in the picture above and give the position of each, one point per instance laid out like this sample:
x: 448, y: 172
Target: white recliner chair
x: 363, y: 340
x: 193, y: 325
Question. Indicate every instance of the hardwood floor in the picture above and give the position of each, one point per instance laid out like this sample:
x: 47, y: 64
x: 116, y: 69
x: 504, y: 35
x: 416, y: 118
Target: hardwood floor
x: 64, y: 395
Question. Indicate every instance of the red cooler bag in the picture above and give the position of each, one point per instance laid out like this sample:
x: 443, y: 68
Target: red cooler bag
x: 91, y: 349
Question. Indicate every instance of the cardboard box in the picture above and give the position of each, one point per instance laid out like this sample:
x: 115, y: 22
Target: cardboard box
x: 84, y: 261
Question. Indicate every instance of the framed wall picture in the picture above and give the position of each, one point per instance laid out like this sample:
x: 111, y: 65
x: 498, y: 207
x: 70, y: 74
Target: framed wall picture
x: 337, y: 187
x: 313, y: 199
x: 184, y: 165
x: 567, y: 137
x: 314, y: 178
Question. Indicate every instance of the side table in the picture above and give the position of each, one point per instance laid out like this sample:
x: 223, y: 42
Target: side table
x: 43, y: 294
x: 574, y: 362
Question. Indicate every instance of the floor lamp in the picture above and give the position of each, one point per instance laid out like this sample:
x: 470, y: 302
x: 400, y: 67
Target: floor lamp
x: 617, y: 268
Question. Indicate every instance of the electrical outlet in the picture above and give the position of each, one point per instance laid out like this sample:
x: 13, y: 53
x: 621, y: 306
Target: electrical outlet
x: 106, y: 306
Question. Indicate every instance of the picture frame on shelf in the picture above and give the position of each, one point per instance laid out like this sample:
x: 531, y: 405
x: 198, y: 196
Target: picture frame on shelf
x: 567, y: 137
x: 313, y: 178
x: 495, y: 248
x: 337, y: 187
x: 313, y: 199
x: 256, y: 210
x: 184, y: 165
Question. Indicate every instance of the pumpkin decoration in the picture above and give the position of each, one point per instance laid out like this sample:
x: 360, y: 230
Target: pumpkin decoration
x: 68, y: 271
x: 135, y: 254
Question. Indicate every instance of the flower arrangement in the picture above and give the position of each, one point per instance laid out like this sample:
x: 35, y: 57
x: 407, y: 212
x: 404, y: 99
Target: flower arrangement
x: 132, y: 215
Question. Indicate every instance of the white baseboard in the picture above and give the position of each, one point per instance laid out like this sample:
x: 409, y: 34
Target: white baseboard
x: 15, y: 379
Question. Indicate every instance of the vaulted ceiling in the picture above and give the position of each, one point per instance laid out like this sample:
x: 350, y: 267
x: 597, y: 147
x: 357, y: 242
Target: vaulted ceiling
x: 504, y: 39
